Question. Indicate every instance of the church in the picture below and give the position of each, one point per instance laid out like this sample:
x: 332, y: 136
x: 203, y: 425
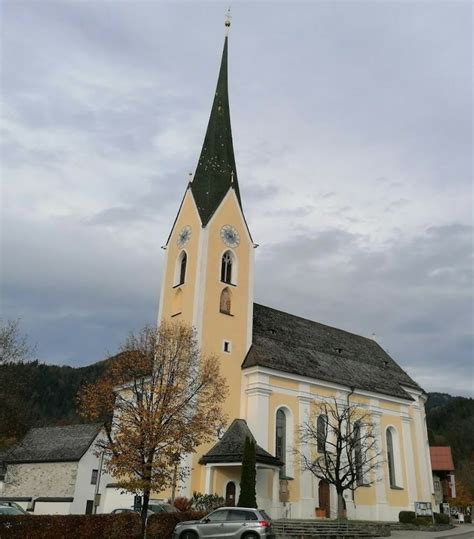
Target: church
x: 277, y: 364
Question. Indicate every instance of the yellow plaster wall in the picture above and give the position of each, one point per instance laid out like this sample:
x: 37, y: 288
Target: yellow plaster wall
x: 417, y: 451
x: 319, y: 391
x: 224, y: 474
x: 187, y: 216
x: 217, y: 326
x: 394, y: 497
x: 276, y: 401
x: 389, y: 406
x: 285, y: 383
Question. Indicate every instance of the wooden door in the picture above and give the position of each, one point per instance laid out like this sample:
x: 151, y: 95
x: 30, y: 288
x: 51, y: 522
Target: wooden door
x: 324, y: 501
x: 230, y: 494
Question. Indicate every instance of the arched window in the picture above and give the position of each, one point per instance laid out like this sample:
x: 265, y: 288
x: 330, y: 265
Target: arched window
x: 391, y: 458
x: 280, y: 439
x: 358, y: 464
x: 226, y: 267
x: 183, y: 259
x: 322, y: 432
x: 225, y: 301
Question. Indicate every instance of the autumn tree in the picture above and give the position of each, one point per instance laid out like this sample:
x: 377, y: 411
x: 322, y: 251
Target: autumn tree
x: 463, y: 497
x: 338, y: 444
x: 160, y: 398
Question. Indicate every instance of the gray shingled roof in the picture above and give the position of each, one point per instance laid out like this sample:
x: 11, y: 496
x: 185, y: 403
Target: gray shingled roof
x: 230, y: 448
x: 54, y: 444
x: 288, y: 343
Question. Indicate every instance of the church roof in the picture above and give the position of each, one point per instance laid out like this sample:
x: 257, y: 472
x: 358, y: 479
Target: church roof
x: 216, y: 172
x: 288, y: 343
x: 54, y: 444
x: 230, y: 448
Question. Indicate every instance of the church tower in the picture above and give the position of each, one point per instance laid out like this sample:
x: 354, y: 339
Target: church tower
x: 208, y: 277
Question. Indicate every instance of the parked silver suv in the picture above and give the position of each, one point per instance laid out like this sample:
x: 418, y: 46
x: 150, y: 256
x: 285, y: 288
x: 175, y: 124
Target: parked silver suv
x: 227, y: 522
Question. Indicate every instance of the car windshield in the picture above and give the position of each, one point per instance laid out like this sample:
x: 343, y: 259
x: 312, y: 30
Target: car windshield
x: 264, y: 515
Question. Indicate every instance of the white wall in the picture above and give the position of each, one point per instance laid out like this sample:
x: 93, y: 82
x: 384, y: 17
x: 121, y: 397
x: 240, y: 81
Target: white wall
x: 114, y: 498
x: 52, y: 508
x: 84, y: 490
x: 52, y: 479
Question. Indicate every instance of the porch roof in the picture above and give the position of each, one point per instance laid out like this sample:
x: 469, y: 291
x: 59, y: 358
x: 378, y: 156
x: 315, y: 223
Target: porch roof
x: 230, y: 448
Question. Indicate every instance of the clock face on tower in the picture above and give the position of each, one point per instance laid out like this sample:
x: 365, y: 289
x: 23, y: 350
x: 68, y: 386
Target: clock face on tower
x: 230, y: 236
x: 184, y: 236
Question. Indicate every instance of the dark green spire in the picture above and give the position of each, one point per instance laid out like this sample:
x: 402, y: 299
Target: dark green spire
x: 216, y: 172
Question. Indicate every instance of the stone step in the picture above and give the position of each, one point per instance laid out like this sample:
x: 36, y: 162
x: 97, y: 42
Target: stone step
x: 309, y: 529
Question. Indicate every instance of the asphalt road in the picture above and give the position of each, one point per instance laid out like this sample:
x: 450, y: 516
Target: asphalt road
x: 463, y: 531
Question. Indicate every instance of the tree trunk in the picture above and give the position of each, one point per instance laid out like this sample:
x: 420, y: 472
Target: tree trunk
x: 146, y: 499
x: 341, y: 506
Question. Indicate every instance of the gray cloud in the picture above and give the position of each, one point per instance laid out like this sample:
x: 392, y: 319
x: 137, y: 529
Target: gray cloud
x: 353, y: 138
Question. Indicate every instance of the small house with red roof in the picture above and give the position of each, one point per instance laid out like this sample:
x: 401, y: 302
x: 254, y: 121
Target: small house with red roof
x: 442, y: 466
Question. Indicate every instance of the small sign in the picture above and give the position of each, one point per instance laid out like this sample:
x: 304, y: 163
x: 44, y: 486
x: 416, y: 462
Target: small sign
x: 137, y: 503
x: 423, y: 509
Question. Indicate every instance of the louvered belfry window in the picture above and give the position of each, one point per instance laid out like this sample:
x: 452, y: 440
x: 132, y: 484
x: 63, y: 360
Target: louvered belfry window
x: 226, y: 267
x: 182, y: 267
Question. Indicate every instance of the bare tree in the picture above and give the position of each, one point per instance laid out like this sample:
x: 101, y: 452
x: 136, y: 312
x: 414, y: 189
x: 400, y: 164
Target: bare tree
x: 15, y: 412
x: 338, y: 444
x: 159, y: 398
x: 14, y: 346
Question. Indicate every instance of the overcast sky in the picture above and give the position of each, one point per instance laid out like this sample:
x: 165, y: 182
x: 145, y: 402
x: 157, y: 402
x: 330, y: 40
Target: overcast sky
x: 352, y: 126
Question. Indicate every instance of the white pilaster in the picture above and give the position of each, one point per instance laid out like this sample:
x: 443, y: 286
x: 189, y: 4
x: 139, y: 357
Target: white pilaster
x: 381, y: 480
x: 409, y: 460
x: 209, y: 483
x: 276, y: 506
x: 424, y: 459
x: 307, y: 503
x: 258, y: 413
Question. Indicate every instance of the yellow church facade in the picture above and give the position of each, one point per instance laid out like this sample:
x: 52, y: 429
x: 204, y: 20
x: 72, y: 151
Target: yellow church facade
x: 278, y: 365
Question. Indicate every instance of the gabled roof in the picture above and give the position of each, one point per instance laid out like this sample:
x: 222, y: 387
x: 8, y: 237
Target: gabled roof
x: 216, y: 172
x: 441, y: 459
x: 54, y: 444
x: 230, y: 448
x: 288, y: 343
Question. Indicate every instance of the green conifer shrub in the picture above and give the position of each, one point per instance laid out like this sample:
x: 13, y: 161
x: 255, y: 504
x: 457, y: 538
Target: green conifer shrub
x: 248, y: 497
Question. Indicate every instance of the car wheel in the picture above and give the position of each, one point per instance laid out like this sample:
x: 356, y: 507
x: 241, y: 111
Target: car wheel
x: 188, y: 535
x: 251, y: 536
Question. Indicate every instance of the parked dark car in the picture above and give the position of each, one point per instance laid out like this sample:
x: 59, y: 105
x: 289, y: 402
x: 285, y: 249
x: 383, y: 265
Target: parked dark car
x: 228, y: 522
x: 11, y: 510
x: 162, y: 507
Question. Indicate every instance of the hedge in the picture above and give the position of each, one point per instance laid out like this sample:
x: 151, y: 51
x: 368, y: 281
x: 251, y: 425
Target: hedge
x: 77, y: 526
x: 161, y: 525
x: 407, y: 517
x: 441, y: 518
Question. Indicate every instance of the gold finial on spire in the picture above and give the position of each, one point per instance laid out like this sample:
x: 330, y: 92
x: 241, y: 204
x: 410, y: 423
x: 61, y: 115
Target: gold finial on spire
x: 228, y: 19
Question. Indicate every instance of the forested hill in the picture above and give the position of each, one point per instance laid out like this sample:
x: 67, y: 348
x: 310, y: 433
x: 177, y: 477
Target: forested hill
x: 450, y: 421
x: 35, y: 394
